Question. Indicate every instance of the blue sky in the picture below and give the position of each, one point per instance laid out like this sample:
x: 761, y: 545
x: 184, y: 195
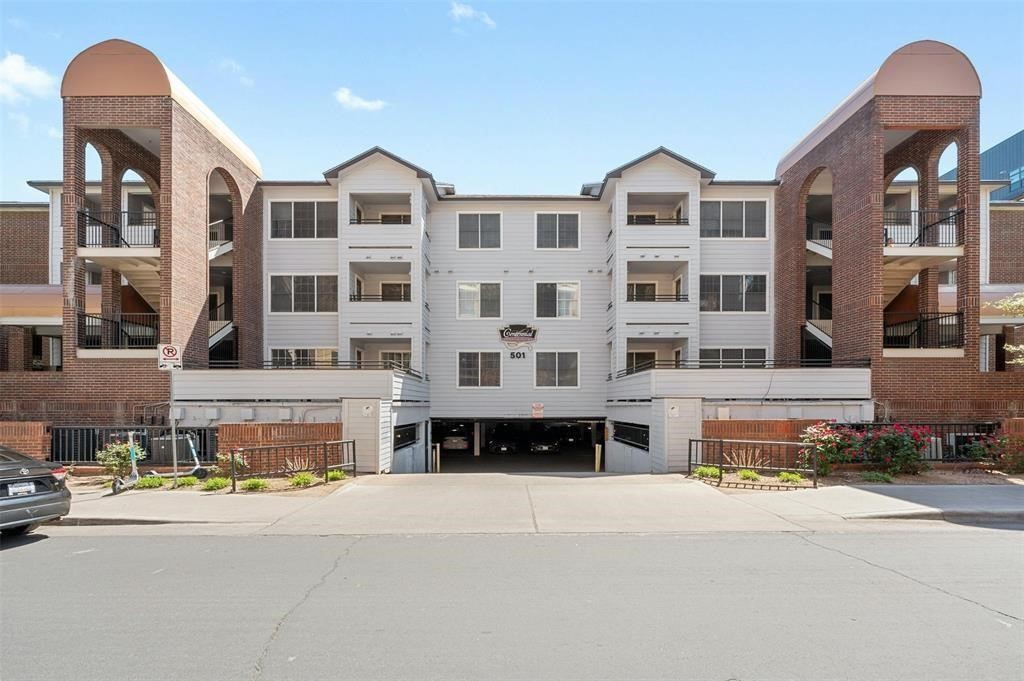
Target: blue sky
x: 500, y: 97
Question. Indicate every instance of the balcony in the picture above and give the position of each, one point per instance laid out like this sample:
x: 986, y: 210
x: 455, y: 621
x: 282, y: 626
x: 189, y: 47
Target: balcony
x: 922, y: 228
x: 653, y: 219
x: 642, y: 296
x: 118, y: 229
x: 403, y: 296
x: 657, y: 208
x: 932, y: 334
x: 380, y: 209
x: 126, y: 331
x: 819, y: 238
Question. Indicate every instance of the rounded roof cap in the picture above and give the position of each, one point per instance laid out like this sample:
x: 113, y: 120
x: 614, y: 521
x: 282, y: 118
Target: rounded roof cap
x: 927, y: 67
x: 118, y: 68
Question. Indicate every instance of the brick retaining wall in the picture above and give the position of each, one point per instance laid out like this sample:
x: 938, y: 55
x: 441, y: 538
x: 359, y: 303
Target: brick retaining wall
x: 28, y: 437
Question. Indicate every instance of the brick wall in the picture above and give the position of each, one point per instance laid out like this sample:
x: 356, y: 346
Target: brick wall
x: 1006, y: 245
x: 234, y: 435
x: 24, y: 246
x: 1013, y: 427
x: 777, y: 430
x: 30, y: 438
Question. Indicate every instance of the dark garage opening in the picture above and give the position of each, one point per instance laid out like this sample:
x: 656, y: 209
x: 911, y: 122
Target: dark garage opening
x: 517, y: 445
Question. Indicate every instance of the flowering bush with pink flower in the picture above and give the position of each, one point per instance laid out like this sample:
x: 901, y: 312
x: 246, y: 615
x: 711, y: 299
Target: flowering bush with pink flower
x: 895, y: 448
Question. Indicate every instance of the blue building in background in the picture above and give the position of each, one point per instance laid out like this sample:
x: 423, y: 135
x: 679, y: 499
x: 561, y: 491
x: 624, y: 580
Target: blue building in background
x: 1004, y: 161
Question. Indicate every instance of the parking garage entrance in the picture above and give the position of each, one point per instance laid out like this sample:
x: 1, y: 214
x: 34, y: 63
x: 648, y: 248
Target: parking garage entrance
x: 517, y: 445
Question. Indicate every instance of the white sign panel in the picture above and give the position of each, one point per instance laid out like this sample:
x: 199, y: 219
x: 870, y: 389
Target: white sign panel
x: 169, y: 357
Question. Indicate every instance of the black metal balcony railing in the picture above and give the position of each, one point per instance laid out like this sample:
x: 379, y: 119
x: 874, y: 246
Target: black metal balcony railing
x: 390, y: 220
x: 636, y: 297
x: 222, y: 230
x: 125, y: 331
x: 221, y: 313
x: 118, y: 229
x: 923, y: 228
x: 923, y: 331
x: 317, y: 364
x: 743, y: 364
x: 403, y: 297
x: 820, y: 233
x: 651, y: 220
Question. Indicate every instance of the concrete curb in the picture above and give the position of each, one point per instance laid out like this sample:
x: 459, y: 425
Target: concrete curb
x: 948, y: 516
x: 91, y: 522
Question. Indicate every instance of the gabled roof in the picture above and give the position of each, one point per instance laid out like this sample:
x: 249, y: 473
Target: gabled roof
x: 420, y: 172
x: 705, y: 173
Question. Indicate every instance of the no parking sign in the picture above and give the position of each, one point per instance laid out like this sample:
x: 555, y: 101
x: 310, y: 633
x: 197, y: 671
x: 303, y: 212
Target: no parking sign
x: 169, y: 357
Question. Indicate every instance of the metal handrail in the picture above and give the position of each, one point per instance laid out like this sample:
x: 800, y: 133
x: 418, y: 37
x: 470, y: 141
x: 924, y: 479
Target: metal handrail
x: 402, y: 220
x: 130, y: 330
x: 657, y: 298
x: 910, y: 330
x: 743, y: 364
x: 366, y: 298
x: 314, y: 364
x: 941, y: 228
x: 645, y: 220
x: 123, y: 229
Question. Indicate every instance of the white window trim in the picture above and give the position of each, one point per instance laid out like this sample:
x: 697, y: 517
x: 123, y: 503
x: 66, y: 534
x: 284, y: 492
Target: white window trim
x: 579, y: 305
x: 579, y: 229
x: 501, y: 300
x: 579, y: 371
x: 300, y: 274
x: 767, y: 221
x: 380, y: 355
x: 281, y: 239
x: 501, y: 371
x: 380, y: 290
x: 501, y: 229
x: 742, y: 349
x: 767, y: 292
x: 358, y: 283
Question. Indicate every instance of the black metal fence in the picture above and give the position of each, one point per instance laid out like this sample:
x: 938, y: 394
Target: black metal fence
x: 79, y: 444
x: 640, y: 297
x: 105, y: 229
x: 947, y: 441
x: 913, y: 331
x: 753, y: 455
x: 652, y: 220
x: 297, y: 363
x: 806, y: 363
x: 820, y: 232
x: 923, y: 228
x: 287, y: 460
x: 127, y: 330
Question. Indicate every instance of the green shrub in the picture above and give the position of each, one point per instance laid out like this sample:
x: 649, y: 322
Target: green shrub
x: 747, y: 474
x: 116, y: 459
x: 1010, y: 457
x: 831, y: 444
x: 786, y: 476
x: 255, y: 484
x: 899, y: 448
x: 303, y: 479
x: 188, y: 481
x: 875, y: 476
x: 150, y: 482
x: 214, y: 484
x: 334, y: 476
x: 706, y: 472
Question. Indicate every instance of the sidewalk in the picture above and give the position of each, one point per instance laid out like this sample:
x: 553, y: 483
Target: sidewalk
x: 542, y: 504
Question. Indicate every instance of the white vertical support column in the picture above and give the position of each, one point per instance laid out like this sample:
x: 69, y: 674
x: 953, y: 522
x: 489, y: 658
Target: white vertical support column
x: 477, y: 430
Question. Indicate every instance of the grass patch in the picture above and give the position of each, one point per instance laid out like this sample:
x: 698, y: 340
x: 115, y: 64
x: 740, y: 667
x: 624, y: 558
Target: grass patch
x: 255, y: 484
x: 334, y: 476
x: 150, y: 482
x: 876, y: 476
x: 214, y: 484
x: 303, y: 479
x: 786, y: 476
x: 188, y: 481
x: 706, y: 472
x: 747, y: 474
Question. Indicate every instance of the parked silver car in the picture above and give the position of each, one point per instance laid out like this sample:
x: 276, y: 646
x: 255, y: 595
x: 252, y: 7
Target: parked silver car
x: 32, y: 492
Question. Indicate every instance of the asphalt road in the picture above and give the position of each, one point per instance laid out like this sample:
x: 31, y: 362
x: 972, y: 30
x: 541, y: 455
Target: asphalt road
x: 925, y: 601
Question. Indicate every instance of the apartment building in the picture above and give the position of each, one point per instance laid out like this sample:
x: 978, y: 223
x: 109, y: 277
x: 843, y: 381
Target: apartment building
x: 626, y: 314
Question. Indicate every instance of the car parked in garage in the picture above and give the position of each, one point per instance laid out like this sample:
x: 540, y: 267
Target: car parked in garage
x: 546, y: 441
x: 503, y: 440
x: 32, y: 492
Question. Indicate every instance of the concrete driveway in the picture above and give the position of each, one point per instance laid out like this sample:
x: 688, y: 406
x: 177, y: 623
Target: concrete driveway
x: 489, y: 503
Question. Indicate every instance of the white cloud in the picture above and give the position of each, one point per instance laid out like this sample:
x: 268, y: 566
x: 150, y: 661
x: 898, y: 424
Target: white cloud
x: 353, y: 102
x: 20, y: 80
x: 233, y: 68
x: 459, y: 11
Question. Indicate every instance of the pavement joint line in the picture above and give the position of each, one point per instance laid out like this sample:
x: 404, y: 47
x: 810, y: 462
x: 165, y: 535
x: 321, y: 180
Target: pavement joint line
x: 780, y: 517
x: 258, y: 665
x: 533, y: 510
x: 908, y: 577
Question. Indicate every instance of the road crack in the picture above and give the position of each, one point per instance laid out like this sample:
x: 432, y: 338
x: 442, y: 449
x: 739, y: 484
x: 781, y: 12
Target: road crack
x: 265, y: 651
x: 904, y: 575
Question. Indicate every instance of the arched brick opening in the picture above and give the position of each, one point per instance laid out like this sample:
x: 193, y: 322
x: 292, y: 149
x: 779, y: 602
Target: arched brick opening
x: 224, y: 298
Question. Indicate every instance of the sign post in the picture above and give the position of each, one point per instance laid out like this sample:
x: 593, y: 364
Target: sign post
x: 169, y: 359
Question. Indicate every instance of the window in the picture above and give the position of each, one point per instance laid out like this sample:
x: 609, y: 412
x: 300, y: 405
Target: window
x: 558, y: 300
x: 303, y: 293
x: 733, y: 357
x: 947, y: 277
x: 557, y: 369
x: 638, y: 361
x: 733, y: 292
x: 395, y: 219
x: 479, y: 369
x: 396, y: 291
x: 479, y: 300
x: 632, y: 434
x: 404, y: 436
x: 303, y: 219
x: 733, y: 219
x: 479, y: 230
x: 396, y: 359
x: 641, y: 291
x: 558, y: 230
x: 303, y: 357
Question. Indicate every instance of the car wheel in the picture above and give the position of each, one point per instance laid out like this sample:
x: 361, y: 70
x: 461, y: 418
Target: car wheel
x: 21, y: 529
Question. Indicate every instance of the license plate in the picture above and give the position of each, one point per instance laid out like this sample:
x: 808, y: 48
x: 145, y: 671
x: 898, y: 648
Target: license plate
x: 18, y: 489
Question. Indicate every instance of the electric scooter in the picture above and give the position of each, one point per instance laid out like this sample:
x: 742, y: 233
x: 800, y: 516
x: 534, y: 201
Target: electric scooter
x: 121, y: 484
x: 197, y: 469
